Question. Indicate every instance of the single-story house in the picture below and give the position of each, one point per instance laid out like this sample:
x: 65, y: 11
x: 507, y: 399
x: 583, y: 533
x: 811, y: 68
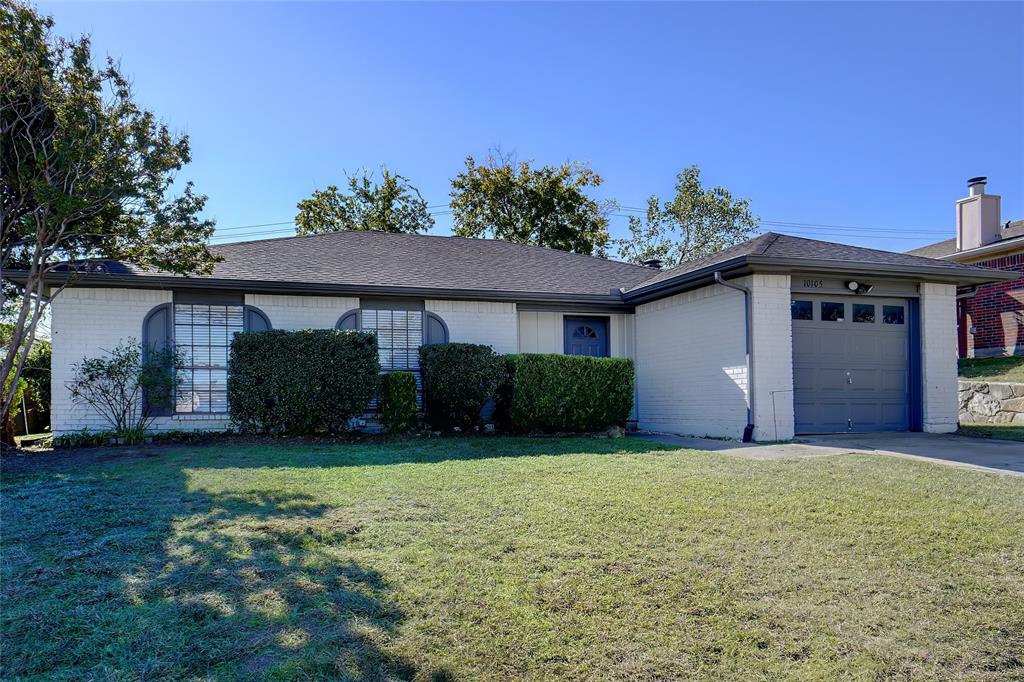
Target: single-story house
x: 990, y: 317
x: 775, y: 336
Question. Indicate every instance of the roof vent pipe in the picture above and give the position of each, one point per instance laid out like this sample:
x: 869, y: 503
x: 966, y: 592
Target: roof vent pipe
x: 748, y: 316
x: 654, y: 263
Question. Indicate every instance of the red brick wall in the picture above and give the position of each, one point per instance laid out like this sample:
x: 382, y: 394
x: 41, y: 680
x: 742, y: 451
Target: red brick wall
x: 996, y: 312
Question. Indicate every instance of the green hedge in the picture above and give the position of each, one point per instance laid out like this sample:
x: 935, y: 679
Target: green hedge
x: 300, y: 382
x: 553, y: 393
x: 458, y: 380
x: 398, y: 409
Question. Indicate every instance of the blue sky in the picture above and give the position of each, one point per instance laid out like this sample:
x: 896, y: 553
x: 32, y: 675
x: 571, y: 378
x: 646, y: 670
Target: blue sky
x: 856, y: 114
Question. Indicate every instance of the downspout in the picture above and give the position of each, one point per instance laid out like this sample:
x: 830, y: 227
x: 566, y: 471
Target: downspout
x: 748, y: 314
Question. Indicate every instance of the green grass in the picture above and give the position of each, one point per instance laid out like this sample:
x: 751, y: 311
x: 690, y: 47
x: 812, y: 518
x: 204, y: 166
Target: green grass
x: 506, y: 559
x: 1009, y: 370
x: 996, y: 431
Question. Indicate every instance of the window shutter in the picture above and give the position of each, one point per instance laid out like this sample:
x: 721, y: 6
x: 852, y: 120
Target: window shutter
x: 256, y: 320
x: 157, y: 336
x: 434, y: 329
x: 349, y: 321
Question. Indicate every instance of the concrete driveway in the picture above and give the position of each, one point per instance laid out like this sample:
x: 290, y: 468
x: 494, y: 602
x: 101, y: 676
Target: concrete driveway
x: 989, y: 455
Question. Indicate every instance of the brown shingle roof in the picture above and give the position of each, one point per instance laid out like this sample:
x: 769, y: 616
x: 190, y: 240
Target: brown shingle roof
x: 380, y: 259
x: 782, y: 246
x: 947, y: 247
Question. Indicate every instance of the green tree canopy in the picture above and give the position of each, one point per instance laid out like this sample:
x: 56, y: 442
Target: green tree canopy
x: 393, y: 205
x: 546, y: 206
x: 695, y: 223
x: 85, y: 173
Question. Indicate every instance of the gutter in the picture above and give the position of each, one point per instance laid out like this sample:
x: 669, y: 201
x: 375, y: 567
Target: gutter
x: 748, y: 312
x: 961, y: 275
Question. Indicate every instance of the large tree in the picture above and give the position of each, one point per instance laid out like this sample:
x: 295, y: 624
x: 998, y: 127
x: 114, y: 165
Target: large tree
x: 85, y: 174
x: 393, y: 205
x: 697, y: 222
x: 546, y: 206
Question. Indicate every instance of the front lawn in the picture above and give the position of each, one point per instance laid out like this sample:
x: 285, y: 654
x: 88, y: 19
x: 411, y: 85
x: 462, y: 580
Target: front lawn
x: 506, y: 559
x: 1009, y: 370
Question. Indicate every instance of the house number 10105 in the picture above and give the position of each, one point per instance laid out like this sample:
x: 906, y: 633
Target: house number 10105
x: 814, y: 283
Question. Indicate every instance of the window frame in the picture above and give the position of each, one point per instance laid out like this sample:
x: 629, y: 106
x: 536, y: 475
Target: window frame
x: 170, y: 337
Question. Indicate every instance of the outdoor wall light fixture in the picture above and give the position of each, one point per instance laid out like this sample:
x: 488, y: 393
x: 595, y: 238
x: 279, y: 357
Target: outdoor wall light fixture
x: 859, y: 287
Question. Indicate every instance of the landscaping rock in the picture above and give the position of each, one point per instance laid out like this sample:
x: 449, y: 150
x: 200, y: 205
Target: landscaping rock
x: 991, y: 403
x: 983, y: 405
x: 616, y: 432
x: 1000, y: 391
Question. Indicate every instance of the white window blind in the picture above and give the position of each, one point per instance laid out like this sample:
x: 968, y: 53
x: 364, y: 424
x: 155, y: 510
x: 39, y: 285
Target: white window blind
x: 399, y: 336
x: 203, y: 334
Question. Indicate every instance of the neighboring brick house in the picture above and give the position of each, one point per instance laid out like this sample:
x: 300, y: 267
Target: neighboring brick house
x: 990, y: 317
x: 771, y: 337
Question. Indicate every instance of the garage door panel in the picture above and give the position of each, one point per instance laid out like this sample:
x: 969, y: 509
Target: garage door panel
x: 803, y: 378
x: 862, y: 347
x: 831, y: 380
x: 892, y: 348
x: 893, y: 380
x: 894, y: 415
x: 850, y: 375
x: 833, y: 415
x: 803, y: 344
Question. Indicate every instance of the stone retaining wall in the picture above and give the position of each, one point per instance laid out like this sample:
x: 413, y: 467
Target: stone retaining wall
x: 991, y: 403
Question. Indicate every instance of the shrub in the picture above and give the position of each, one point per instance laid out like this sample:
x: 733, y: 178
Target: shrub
x: 125, y: 385
x: 398, y: 410
x: 553, y: 393
x: 300, y: 382
x: 458, y: 380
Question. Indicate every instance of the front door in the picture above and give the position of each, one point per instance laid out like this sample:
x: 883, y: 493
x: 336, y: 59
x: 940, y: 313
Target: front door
x: 586, y: 336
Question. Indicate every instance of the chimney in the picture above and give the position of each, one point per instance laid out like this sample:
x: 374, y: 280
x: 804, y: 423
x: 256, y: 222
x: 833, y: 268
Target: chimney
x: 654, y: 263
x: 977, y: 217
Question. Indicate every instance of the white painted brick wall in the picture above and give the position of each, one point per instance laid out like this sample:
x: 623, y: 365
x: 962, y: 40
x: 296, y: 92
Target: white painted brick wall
x: 543, y: 332
x: 302, y: 312
x: 773, y: 356
x: 938, y: 357
x: 85, y: 323
x: 495, y: 324
x: 691, y: 363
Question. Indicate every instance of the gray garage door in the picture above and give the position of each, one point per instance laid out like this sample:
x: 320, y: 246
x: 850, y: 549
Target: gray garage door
x: 850, y: 363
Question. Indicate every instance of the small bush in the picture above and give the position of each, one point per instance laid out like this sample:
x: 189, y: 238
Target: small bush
x: 398, y: 409
x: 301, y: 382
x: 125, y: 386
x: 552, y: 393
x: 458, y: 380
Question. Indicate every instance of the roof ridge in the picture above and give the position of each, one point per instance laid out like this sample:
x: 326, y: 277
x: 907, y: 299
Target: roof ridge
x: 774, y: 238
x: 376, y: 233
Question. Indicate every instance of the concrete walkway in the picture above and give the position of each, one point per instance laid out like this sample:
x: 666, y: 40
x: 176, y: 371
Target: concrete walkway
x: 975, y: 453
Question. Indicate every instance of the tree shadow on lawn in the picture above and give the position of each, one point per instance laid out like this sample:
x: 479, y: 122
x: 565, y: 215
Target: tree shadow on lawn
x: 172, y: 583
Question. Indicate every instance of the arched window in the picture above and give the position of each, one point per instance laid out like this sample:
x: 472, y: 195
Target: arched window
x: 349, y: 321
x: 202, y: 332
x: 434, y: 329
x: 157, y: 332
x: 256, y: 320
x: 584, y: 332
